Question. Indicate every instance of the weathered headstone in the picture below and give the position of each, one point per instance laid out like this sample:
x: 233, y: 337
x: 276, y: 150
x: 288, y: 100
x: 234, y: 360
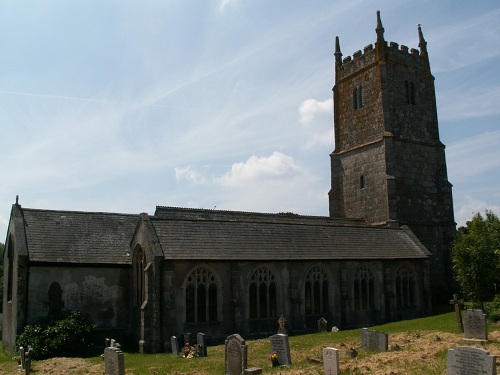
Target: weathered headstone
x: 174, y: 343
x: 457, y: 302
x: 282, y: 322
x: 22, y: 354
x: 235, y: 355
x: 475, y: 325
x: 467, y: 360
x: 280, y: 346
x: 322, y: 325
x: 29, y: 357
x: 331, y: 361
x: 202, y: 347
x: 187, y: 338
x: 107, y: 342
x: 374, y: 340
x: 114, y: 362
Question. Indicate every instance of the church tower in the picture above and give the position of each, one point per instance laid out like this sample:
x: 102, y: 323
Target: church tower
x: 389, y: 166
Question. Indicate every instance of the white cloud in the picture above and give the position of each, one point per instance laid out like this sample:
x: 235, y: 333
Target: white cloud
x: 311, y: 108
x: 471, y: 206
x: 188, y: 173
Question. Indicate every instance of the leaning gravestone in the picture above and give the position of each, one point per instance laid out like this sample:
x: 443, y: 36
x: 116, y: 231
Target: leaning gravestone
x: 331, y: 361
x: 374, y: 340
x: 280, y: 346
x: 475, y: 325
x: 174, y: 343
x: 466, y: 360
x: 114, y: 362
x: 202, y: 347
x: 235, y: 355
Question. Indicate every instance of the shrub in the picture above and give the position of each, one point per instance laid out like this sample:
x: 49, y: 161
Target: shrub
x: 65, y: 334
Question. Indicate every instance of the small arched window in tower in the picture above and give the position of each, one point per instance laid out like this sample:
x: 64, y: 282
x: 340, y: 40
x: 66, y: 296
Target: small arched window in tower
x: 410, y: 92
x: 262, y: 294
x: 358, y: 97
x: 316, y: 291
x: 364, y: 289
x: 405, y: 287
x: 202, y: 291
x: 361, y: 182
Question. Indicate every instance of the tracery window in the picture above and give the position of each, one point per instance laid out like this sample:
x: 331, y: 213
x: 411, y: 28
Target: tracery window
x: 405, y: 287
x: 262, y: 294
x: 364, y: 289
x: 201, y: 296
x: 316, y: 291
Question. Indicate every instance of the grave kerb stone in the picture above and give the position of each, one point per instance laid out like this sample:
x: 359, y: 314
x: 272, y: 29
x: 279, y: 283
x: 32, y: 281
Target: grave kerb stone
x: 280, y: 346
x: 466, y: 360
x: 374, y: 340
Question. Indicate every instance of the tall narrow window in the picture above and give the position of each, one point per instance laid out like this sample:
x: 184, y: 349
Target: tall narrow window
x: 262, y: 294
x: 410, y: 92
x: 358, y: 97
x: 201, y: 296
x: 140, y: 276
x: 405, y: 287
x: 364, y: 289
x: 316, y: 291
x: 361, y: 182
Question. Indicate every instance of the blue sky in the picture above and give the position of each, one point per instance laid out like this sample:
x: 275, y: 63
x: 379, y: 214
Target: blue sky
x: 119, y: 106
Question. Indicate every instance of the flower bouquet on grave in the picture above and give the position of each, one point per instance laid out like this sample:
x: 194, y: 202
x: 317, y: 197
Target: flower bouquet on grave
x: 274, y: 359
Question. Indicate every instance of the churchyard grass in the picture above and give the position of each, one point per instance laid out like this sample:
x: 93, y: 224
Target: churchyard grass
x: 423, y: 345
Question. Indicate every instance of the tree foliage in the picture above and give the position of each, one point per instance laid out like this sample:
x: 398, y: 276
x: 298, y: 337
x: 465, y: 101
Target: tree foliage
x: 476, y: 258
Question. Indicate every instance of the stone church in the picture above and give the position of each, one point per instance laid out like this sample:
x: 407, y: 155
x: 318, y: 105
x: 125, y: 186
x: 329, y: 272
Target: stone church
x: 379, y: 256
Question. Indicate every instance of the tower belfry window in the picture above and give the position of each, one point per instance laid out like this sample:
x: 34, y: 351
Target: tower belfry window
x: 358, y: 97
x: 410, y: 92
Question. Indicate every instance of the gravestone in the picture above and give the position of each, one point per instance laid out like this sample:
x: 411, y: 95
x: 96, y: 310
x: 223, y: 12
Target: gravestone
x: 475, y: 325
x: 374, y: 340
x: 280, y: 346
x: 29, y: 357
x: 331, y: 361
x: 281, y: 322
x: 114, y: 362
x: 235, y: 355
x: 202, y: 347
x: 467, y: 360
x: 107, y: 343
x: 187, y: 338
x: 322, y: 325
x: 22, y: 354
x: 174, y: 343
x: 457, y: 302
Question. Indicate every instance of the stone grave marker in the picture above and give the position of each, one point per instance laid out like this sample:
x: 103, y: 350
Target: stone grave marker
x: 22, y: 354
x: 457, y: 302
x: 475, y: 325
x: 280, y: 346
x: 282, y: 322
x: 114, y: 362
x: 322, y: 325
x: 235, y: 355
x: 107, y: 343
x: 467, y: 360
x: 331, y: 361
x: 28, y: 357
x: 374, y: 340
x: 202, y: 347
x: 187, y: 338
x: 174, y: 343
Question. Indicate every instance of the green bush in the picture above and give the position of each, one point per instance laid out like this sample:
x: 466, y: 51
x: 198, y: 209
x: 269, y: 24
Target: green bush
x: 65, y: 334
x: 493, y: 309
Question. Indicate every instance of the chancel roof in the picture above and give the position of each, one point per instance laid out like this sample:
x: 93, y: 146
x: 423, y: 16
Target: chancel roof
x: 219, y: 235
x: 78, y: 237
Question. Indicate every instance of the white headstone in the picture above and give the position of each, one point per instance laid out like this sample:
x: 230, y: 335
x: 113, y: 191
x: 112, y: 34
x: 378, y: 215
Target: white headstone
x: 331, y: 361
x: 280, y: 346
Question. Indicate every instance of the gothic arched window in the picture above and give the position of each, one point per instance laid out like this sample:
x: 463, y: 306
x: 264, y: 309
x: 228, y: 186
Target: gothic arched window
x: 364, y: 289
x: 405, y: 287
x: 202, y: 290
x: 358, y: 97
x: 140, y: 276
x: 262, y: 294
x: 316, y: 291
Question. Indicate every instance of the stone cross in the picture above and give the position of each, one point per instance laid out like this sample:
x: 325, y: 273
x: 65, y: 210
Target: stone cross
x: 281, y: 322
x: 457, y: 302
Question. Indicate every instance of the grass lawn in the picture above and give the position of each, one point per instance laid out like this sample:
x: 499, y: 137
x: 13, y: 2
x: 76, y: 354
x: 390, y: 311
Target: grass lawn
x: 423, y: 345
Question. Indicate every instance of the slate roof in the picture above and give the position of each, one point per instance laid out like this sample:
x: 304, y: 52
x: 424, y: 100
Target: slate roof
x: 78, y: 237
x: 223, y: 237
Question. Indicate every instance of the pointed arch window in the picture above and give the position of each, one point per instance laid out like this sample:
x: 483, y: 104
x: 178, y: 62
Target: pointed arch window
x: 201, y: 296
x: 140, y: 276
x: 262, y: 294
x: 364, y: 289
x: 405, y: 287
x: 316, y: 291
